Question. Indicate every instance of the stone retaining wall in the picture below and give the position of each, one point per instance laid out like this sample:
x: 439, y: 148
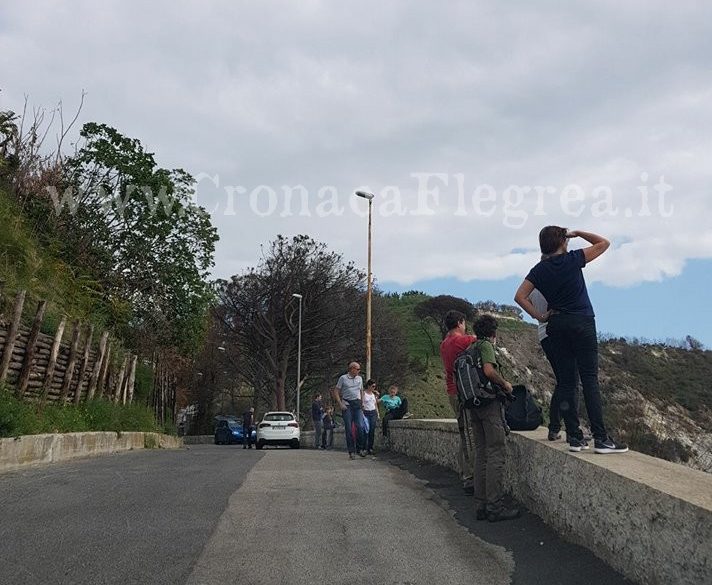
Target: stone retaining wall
x: 648, y: 518
x: 30, y: 450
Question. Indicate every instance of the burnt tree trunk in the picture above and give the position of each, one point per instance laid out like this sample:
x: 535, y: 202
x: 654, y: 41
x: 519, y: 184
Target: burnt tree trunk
x: 28, y: 362
x: 12, y: 335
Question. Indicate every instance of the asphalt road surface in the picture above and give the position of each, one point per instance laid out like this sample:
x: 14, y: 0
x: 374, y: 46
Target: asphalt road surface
x: 212, y: 515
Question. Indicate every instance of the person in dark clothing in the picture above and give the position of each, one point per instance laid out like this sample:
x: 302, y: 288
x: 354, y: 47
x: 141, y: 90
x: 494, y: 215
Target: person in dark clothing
x: 248, y: 420
x: 317, y: 413
x: 327, y: 435
x: 571, y: 325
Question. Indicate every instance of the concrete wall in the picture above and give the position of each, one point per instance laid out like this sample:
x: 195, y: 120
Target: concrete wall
x: 30, y: 450
x: 648, y: 518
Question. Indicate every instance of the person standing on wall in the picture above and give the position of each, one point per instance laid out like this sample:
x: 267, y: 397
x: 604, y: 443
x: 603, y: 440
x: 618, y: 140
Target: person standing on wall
x: 571, y: 324
x: 456, y: 341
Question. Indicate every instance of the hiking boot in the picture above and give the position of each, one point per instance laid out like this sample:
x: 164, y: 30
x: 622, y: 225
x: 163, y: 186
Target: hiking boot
x: 554, y: 436
x: 407, y: 415
x: 577, y: 445
x: 481, y: 514
x: 609, y: 446
x: 503, y: 514
x: 352, y: 456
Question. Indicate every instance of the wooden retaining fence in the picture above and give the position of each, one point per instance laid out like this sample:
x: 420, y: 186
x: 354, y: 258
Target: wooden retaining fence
x: 44, y: 368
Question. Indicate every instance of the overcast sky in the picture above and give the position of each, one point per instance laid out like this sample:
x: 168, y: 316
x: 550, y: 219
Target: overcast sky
x: 474, y: 123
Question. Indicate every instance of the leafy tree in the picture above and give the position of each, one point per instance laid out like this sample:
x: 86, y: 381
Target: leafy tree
x: 434, y: 309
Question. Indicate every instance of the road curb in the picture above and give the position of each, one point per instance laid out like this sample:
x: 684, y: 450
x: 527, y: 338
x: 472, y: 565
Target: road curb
x: 31, y: 450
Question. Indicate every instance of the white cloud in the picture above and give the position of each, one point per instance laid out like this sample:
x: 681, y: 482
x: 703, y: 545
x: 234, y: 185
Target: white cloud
x: 320, y: 93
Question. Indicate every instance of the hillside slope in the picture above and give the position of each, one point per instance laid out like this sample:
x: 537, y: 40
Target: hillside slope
x: 656, y: 398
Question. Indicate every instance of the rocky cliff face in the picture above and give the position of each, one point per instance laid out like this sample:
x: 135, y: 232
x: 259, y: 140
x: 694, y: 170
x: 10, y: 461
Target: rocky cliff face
x: 656, y: 398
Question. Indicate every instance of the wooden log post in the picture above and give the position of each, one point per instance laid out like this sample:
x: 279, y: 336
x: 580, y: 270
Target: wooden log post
x: 119, y: 383
x: 98, y: 365
x: 84, y: 367
x: 71, y: 363
x: 132, y: 381
x: 30, y: 350
x: 49, y: 374
x: 104, y: 374
x: 12, y: 335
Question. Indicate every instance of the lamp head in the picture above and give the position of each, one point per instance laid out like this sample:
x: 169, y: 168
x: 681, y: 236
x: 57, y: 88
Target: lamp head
x: 365, y: 195
x: 297, y: 296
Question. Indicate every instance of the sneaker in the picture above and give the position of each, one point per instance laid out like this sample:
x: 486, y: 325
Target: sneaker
x: 609, y: 446
x: 352, y: 456
x: 481, y: 514
x: 577, y: 445
x: 552, y: 436
x: 370, y: 452
x: 503, y: 514
x: 407, y: 415
x: 362, y: 453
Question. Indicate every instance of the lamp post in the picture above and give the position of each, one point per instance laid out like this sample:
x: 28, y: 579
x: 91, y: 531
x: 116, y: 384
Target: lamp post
x: 370, y: 197
x: 299, y: 352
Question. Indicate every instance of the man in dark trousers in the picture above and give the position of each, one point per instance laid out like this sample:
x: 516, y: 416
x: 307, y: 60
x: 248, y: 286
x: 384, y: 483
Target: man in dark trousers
x: 248, y: 420
x: 317, y: 414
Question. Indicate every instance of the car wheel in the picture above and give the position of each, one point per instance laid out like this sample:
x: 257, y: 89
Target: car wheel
x: 216, y: 441
x: 259, y: 444
x: 295, y: 444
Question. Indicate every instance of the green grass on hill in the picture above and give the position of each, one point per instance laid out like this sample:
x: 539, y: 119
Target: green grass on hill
x: 23, y: 418
x: 25, y: 264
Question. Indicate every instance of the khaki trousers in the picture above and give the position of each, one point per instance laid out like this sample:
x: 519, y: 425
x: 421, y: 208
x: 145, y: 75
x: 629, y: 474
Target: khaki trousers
x: 464, y: 456
x: 488, y: 431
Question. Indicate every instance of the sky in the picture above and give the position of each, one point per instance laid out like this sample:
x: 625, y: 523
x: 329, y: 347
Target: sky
x: 474, y: 124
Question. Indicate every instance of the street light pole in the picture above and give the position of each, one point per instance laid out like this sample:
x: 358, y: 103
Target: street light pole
x: 299, y: 352
x: 369, y: 289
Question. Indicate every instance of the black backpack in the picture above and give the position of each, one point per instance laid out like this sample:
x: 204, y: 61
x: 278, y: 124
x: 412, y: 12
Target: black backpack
x: 524, y: 413
x: 474, y: 389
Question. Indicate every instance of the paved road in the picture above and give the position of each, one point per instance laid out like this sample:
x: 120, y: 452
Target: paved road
x: 209, y: 515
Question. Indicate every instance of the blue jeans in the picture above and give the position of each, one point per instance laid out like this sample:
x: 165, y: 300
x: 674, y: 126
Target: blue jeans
x: 575, y: 349
x: 372, y: 416
x: 354, y: 414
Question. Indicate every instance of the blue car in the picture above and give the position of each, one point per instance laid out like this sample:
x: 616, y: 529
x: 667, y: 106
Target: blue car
x: 229, y: 432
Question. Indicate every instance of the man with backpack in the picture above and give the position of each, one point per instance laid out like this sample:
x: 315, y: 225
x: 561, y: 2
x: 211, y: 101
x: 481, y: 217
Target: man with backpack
x: 488, y: 429
x: 456, y: 341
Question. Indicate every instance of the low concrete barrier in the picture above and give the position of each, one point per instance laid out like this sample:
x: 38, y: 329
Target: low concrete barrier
x: 648, y: 518
x: 37, y: 449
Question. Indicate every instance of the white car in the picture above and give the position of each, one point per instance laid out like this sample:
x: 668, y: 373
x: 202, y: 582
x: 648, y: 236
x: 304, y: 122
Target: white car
x: 278, y: 428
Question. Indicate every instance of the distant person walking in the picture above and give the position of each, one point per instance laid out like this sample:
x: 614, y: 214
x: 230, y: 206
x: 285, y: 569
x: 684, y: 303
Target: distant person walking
x: 572, y: 328
x: 489, y: 432
x: 317, y: 413
x: 248, y: 421
x: 396, y: 407
x: 456, y: 341
x: 327, y: 435
x: 348, y: 394
x: 370, y: 411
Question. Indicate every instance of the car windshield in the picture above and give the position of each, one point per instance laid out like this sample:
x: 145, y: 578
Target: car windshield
x: 234, y: 425
x: 279, y: 416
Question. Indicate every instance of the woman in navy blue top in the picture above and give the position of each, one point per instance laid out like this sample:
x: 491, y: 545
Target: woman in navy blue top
x: 571, y: 325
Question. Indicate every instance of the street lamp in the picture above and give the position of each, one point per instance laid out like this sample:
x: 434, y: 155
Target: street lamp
x: 299, y: 352
x: 370, y: 197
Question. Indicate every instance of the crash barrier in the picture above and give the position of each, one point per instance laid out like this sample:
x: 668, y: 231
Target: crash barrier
x: 28, y: 450
x: 648, y: 518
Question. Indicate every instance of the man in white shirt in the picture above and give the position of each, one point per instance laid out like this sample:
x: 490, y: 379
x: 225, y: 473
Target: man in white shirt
x: 349, y: 394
